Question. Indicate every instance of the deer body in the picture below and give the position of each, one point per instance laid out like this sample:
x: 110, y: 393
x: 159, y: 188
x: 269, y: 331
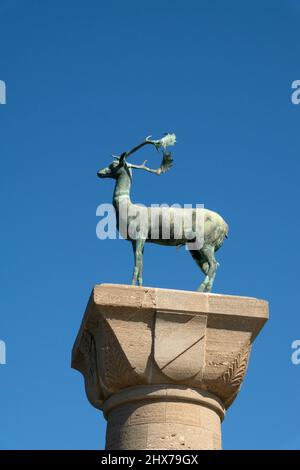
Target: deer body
x: 213, y: 229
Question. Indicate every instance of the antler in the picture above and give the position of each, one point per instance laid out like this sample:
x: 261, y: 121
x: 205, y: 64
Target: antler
x: 166, y: 141
x: 147, y: 141
x: 166, y: 164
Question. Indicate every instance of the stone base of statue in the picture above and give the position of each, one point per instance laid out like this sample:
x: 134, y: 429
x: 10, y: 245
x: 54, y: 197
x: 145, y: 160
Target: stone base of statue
x: 164, y: 365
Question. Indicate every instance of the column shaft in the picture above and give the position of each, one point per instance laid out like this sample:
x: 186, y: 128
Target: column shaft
x: 163, y: 418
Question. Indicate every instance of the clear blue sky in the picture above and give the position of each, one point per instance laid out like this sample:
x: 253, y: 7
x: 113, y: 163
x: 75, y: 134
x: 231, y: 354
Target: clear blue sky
x: 89, y: 78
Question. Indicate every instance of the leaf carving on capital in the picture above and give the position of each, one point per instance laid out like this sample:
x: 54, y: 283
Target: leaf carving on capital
x: 234, y: 375
x: 236, y: 371
x: 89, y: 368
x: 117, y: 373
x: 87, y: 348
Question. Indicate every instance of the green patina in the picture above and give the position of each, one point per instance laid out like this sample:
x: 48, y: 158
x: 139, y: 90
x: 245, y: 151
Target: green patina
x: 215, y: 228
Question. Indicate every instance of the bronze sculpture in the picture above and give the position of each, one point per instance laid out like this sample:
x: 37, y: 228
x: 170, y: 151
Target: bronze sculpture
x: 214, y: 229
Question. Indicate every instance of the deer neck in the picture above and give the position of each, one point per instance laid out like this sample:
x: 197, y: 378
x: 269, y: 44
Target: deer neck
x: 122, y: 190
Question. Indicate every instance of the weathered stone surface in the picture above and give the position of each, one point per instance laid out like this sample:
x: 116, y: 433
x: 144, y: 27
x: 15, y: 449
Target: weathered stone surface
x: 164, y: 364
x: 163, y: 417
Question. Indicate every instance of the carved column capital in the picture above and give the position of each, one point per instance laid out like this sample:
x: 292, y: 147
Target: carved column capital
x: 137, y: 339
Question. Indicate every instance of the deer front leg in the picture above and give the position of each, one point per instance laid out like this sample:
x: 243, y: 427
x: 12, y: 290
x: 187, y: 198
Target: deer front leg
x: 138, y: 248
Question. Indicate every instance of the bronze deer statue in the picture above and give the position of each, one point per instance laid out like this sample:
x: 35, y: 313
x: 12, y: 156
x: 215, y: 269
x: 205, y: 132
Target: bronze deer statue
x: 214, y: 228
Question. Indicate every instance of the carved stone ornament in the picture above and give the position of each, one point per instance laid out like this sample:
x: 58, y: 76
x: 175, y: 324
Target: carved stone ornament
x: 136, y: 336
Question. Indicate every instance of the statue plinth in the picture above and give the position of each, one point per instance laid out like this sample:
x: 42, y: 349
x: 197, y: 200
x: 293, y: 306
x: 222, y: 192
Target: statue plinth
x: 164, y: 365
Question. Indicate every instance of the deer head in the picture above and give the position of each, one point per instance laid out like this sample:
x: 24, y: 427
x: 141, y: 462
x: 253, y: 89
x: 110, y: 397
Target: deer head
x: 119, y: 165
x: 115, y: 169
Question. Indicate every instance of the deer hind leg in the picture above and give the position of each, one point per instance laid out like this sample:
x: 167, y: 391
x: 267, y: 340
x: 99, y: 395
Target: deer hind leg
x: 208, y: 252
x: 138, y: 249
x: 205, y: 258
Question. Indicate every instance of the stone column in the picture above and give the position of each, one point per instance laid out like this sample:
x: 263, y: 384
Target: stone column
x: 164, y: 365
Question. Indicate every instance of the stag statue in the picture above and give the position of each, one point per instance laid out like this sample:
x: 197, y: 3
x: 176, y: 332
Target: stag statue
x: 213, y: 228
